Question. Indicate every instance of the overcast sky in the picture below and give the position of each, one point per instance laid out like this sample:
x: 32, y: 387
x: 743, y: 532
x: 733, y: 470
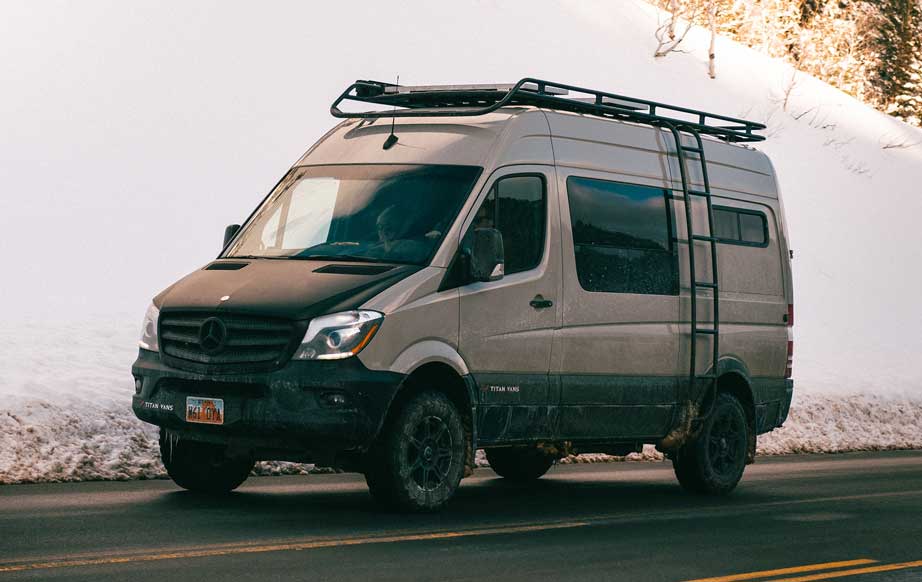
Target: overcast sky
x: 132, y: 133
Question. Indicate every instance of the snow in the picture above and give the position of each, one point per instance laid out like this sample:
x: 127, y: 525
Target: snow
x: 119, y: 136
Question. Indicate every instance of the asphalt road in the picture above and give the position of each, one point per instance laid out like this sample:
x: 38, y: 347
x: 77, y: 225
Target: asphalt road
x: 848, y: 517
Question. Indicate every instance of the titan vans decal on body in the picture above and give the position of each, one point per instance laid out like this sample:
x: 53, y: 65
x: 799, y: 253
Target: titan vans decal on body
x: 157, y: 406
x: 501, y: 389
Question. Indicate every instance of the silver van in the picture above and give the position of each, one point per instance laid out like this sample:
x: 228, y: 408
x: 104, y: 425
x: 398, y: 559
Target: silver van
x: 534, y: 269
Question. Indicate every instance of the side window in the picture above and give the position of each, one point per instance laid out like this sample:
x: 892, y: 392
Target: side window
x: 752, y: 228
x: 726, y: 225
x: 622, y: 237
x: 745, y: 227
x: 517, y: 207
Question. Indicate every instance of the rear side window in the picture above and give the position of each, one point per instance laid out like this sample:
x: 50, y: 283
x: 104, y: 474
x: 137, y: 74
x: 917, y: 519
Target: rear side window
x: 622, y: 237
x: 737, y: 226
x: 516, y: 206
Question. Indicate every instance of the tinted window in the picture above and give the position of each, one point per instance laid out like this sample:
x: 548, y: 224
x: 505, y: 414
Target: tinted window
x: 740, y: 226
x: 752, y: 228
x: 516, y: 207
x: 726, y: 225
x: 622, y: 237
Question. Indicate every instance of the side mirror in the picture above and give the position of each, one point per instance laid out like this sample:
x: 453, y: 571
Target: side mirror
x: 229, y: 234
x: 487, y: 257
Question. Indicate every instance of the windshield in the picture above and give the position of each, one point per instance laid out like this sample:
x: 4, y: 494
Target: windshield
x: 378, y: 213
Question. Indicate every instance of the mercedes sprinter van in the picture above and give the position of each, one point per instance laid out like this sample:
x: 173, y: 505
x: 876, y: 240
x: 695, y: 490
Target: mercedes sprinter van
x: 534, y: 269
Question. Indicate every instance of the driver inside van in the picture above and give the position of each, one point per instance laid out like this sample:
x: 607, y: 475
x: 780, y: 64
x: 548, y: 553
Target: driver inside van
x: 393, y: 239
x: 389, y: 228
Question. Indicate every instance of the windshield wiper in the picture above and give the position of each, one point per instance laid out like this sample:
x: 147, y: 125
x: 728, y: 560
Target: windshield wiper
x: 256, y: 257
x: 346, y: 257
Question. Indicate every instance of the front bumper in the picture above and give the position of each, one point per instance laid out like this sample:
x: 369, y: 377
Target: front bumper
x: 289, y: 413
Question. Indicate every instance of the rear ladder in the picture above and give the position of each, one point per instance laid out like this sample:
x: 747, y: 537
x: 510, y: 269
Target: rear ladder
x: 699, y: 384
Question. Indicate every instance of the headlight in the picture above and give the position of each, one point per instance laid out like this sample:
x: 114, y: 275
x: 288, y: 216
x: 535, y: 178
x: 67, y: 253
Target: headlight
x: 149, y: 340
x: 338, y: 336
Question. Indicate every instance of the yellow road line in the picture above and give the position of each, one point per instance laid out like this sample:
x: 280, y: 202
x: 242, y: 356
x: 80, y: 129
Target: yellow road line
x: 782, y: 571
x: 855, y: 572
x: 231, y: 549
x: 286, y: 547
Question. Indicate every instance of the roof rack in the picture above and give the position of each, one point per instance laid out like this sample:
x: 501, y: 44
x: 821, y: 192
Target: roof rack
x: 470, y: 100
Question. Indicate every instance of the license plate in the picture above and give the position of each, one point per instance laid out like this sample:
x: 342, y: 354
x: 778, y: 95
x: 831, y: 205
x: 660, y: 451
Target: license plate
x: 204, y: 410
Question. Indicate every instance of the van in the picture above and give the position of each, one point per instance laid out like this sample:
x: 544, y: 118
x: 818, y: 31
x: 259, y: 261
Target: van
x: 535, y: 270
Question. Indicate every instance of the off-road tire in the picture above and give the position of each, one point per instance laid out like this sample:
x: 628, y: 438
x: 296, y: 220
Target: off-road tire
x: 202, y: 467
x: 418, y: 460
x: 712, y: 463
x: 518, y: 463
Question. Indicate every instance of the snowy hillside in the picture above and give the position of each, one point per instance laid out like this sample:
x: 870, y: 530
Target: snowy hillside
x: 137, y: 135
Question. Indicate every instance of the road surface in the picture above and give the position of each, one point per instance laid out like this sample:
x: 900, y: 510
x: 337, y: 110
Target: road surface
x: 855, y: 517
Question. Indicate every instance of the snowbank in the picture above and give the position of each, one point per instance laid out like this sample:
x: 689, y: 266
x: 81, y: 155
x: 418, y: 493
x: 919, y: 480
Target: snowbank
x: 43, y: 442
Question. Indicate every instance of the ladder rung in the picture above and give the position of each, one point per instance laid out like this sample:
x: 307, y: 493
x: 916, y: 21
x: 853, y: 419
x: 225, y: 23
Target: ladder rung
x: 705, y: 285
x: 705, y: 331
x: 699, y: 193
x: 697, y: 150
x: 704, y: 237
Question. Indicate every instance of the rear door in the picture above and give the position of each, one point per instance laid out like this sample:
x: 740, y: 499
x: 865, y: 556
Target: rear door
x: 617, y: 352
x: 507, y: 325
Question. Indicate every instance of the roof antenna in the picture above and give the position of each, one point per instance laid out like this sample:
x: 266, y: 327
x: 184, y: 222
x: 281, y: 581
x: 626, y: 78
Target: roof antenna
x: 392, y: 139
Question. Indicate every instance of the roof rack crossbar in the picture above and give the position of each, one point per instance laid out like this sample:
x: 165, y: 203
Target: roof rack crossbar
x: 472, y: 100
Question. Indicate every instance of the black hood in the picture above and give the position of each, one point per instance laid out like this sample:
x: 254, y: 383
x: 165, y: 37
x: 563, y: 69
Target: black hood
x: 290, y: 289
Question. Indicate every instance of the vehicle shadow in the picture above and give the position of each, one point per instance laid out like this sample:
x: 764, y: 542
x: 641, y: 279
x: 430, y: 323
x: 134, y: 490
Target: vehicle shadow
x: 342, y: 506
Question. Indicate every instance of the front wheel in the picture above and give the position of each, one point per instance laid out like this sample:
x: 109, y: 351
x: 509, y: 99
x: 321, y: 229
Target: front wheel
x: 418, y: 460
x: 713, y: 461
x: 202, y: 467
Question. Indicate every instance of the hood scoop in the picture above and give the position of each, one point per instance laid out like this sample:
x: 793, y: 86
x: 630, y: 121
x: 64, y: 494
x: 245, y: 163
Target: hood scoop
x: 354, y: 269
x: 225, y: 266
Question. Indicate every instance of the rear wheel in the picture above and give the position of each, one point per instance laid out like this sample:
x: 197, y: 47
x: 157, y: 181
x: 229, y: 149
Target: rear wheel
x: 202, y: 467
x: 713, y: 462
x: 418, y: 460
x: 519, y: 464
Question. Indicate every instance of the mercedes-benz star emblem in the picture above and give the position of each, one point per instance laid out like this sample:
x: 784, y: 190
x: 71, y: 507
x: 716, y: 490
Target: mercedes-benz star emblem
x: 212, y: 335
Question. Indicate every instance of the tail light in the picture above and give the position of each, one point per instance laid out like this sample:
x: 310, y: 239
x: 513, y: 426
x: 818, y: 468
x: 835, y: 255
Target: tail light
x: 789, y: 368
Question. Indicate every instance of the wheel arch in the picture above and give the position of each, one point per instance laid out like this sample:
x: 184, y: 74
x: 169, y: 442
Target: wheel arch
x: 439, y: 375
x: 427, y: 352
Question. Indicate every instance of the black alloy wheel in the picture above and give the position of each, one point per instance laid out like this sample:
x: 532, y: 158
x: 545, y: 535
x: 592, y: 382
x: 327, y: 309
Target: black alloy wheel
x: 714, y: 460
x: 430, y: 453
x: 727, y: 442
x: 418, y: 460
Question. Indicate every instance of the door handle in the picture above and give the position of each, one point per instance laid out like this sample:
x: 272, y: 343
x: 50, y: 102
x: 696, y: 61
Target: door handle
x: 540, y: 302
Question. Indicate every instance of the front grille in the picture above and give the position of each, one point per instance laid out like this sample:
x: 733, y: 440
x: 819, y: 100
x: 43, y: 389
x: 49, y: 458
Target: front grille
x: 247, y: 342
